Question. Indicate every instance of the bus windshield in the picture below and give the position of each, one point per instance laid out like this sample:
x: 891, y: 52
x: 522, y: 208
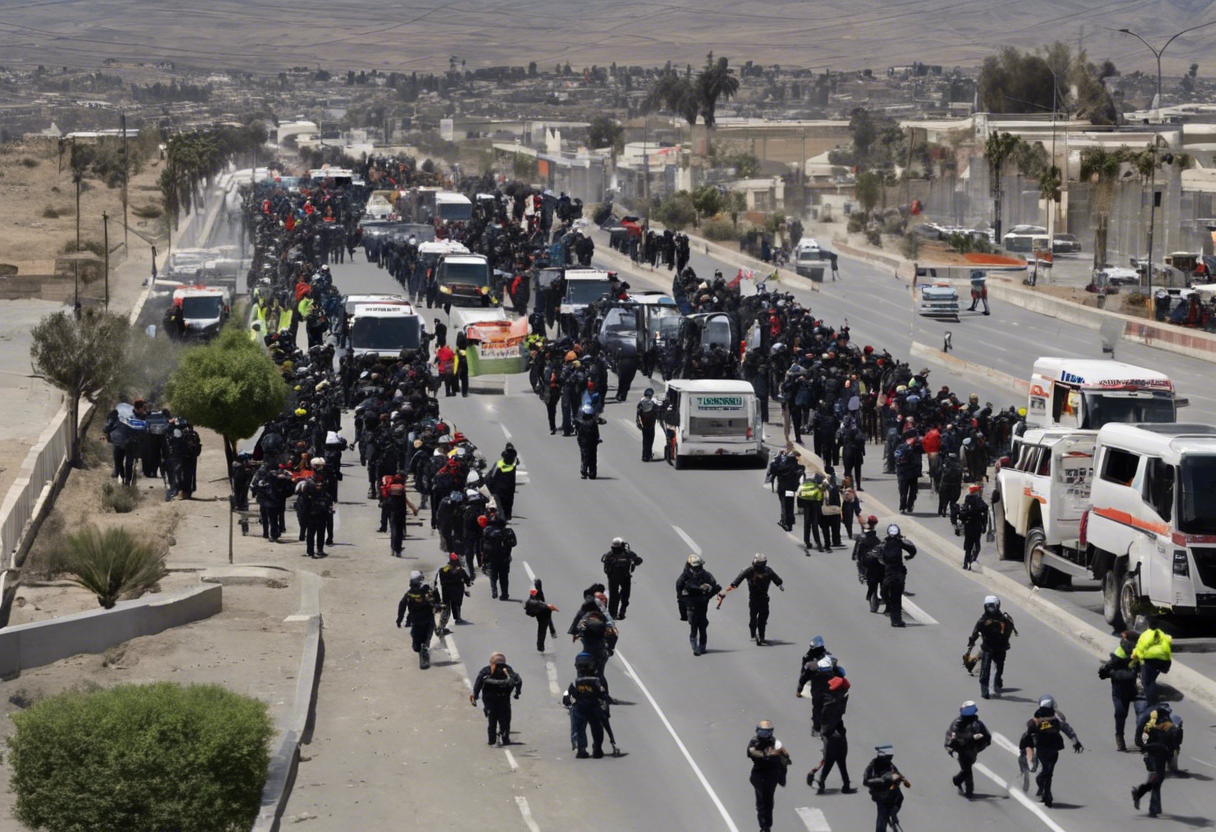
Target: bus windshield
x: 1102, y: 409
x: 1197, y: 501
x: 386, y: 334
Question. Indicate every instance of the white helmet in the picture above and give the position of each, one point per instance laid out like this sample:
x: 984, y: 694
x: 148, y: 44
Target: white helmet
x: 825, y: 663
x: 992, y: 601
x: 695, y: 560
x: 759, y: 557
x: 618, y: 541
x: 893, y: 530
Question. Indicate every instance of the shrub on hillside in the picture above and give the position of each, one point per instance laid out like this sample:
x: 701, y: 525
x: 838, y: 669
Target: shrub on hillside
x: 159, y: 756
x: 720, y: 230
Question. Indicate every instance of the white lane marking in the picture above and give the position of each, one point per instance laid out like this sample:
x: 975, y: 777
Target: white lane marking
x: 551, y: 670
x: 730, y: 824
x: 337, y: 519
x: 506, y: 390
x: 991, y: 775
x: 511, y: 760
x: 529, y: 821
x: 917, y: 613
x: 1202, y: 762
x: 505, y: 432
x: 448, y: 644
x: 813, y: 819
x: 1020, y: 796
x: 1006, y: 743
x: 531, y: 574
x: 692, y: 544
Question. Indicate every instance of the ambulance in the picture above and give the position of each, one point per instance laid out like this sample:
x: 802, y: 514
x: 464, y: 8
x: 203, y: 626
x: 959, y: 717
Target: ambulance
x: 712, y: 417
x: 1085, y: 394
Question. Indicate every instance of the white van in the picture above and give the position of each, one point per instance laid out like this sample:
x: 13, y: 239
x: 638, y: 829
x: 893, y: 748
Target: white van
x: 709, y: 417
x: 385, y: 330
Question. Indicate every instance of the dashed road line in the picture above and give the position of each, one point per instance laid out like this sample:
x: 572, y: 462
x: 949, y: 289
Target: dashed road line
x: 551, y: 669
x: 692, y: 544
x: 531, y: 574
x: 1202, y: 762
x: 1006, y: 743
x: 511, y: 760
x: 1020, y: 796
x: 813, y: 819
x: 730, y: 823
x: 917, y: 613
x: 529, y: 821
x: 505, y: 432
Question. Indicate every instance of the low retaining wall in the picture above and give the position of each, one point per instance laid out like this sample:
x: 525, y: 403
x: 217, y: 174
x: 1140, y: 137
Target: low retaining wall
x: 44, y: 642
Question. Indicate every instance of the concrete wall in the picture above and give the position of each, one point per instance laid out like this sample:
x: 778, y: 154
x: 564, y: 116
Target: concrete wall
x: 45, y: 642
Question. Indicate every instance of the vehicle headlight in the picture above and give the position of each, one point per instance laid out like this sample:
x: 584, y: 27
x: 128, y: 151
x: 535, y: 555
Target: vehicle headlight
x: 447, y: 290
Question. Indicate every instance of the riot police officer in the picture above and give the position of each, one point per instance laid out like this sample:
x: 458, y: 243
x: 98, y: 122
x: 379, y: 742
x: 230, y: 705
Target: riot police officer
x: 418, y: 607
x: 619, y: 563
x: 758, y: 576
x: 646, y: 418
x: 895, y: 573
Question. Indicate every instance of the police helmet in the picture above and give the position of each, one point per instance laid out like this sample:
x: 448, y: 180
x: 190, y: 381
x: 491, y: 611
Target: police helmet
x: 1047, y: 701
x: 455, y: 496
x: 695, y: 561
x: 817, y: 643
x: 584, y: 661
x: 824, y: 664
x: 588, y: 410
x: 893, y: 530
x: 764, y: 730
x: 618, y: 542
x: 992, y: 602
x: 415, y: 578
x: 885, y: 750
x: 648, y: 392
x: 759, y: 558
x: 968, y: 708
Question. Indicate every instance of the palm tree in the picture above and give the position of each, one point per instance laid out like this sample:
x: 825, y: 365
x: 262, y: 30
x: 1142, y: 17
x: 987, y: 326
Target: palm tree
x: 998, y: 150
x: 716, y: 81
x: 1101, y: 167
x: 677, y: 93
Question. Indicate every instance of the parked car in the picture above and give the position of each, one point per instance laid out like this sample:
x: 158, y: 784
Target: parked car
x: 1065, y: 244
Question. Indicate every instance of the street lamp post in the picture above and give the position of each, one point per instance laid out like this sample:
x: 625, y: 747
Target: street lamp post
x: 1159, y: 52
x: 105, y: 225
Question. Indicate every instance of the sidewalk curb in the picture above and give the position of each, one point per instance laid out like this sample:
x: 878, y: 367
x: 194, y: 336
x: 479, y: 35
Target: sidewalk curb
x: 295, y: 728
x: 1193, y: 684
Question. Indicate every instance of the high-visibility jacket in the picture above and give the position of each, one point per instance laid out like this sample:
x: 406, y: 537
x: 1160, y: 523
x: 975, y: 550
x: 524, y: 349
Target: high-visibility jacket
x: 810, y: 492
x: 1153, y: 644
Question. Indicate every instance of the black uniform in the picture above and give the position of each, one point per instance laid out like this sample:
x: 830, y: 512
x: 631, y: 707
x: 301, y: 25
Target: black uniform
x: 619, y: 563
x: 587, y: 428
x: 867, y: 553
x: 769, y: 764
x: 1118, y: 669
x: 537, y: 608
x: 974, y: 517
x: 493, y: 685
x: 758, y: 576
x: 895, y: 575
x: 452, y: 580
x: 497, y: 541
x: 1045, y: 734
x: 966, y: 737
x: 819, y: 678
x: 694, y: 589
x: 993, y: 631
x: 1159, y: 734
x: 787, y: 472
x: 647, y: 417
x: 587, y: 698
x: 418, y: 607
x: 883, y: 780
x: 950, y: 485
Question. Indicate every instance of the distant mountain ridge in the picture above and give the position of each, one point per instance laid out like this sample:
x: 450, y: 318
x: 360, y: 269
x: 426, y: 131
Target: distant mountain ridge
x: 271, y: 35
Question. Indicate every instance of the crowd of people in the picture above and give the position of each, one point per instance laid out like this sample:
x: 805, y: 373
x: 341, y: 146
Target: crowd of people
x: 848, y: 399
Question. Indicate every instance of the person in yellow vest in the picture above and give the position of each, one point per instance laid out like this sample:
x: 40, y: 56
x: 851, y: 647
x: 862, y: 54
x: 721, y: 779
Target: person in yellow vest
x: 255, y: 332
x: 284, y: 317
x: 810, y: 495
x: 1154, y: 655
x: 501, y: 481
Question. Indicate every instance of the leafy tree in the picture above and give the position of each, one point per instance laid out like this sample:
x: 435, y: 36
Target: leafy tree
x: 80, y: 357
x: 677, y: 93
x: 998, y: 150
x: 716, y: 81
x: 112, y: 563
x: 677, y: 211
x: 868, y: 190
x: 159, y: 756
x: 1023, y: 82
x: 230, y: 386
x: 708, y: 201
x: 605, y: 132
x: 1102, y: 167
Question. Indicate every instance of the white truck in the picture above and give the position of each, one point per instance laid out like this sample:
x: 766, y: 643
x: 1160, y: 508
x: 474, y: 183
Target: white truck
x: 1085, y: 394
x: 1130, y: 505
x: 385, y: 330
x: 707, y: 417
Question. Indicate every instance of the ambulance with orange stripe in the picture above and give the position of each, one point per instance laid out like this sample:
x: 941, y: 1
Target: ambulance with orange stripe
x: 1130, y: 505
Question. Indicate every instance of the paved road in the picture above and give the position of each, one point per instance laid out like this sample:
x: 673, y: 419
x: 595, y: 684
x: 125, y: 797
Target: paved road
x: 688, y: 719
x: 879, y: 311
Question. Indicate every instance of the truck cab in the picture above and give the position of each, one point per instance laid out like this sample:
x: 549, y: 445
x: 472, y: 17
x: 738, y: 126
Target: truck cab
x: 1085, y: 394
x: 583, y: 288
x: 385, y: 330
x: 464, y: 280
x: 204, y: 310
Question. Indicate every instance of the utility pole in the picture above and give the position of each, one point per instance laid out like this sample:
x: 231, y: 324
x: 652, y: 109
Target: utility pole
x: 1158, y: 52
x: 126, y: 175
x: 802, y: 173
x: 105, y: 226
x: 77, y: 176
x: 646, y: 168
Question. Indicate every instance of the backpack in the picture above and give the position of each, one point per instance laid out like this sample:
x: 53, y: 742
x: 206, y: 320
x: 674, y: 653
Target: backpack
x: 594, y: 625
x: 1047, y: 733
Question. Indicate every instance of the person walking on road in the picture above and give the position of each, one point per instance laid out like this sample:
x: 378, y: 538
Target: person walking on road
x: 835, y: 738
x: 819, y: 668
x: 1043, y: 741
x: 694, y: 588
x: 966, y: 737
x: 396, y: 501
x: 494, y: 684
x: 418, y: 607
x: 619, y: 563
x: 883, y: 780
x: 587, y: 698
x: 973, y: 517
x: 501, y: 481
x: 1118, y: 669
x: 758, y: 576
x: 1160, y: 737
x: 867, y: 552
x: 770, y: 761
x: 587, y: 428
x: 1154, y: 655
x: 646, y: 418
x: 787, y: 471
x: 810, y: 496
x: 497, y: 541
x: 453, y: 582
x: 542, y: 611
x: 993, y: 630
x: 895, y: 572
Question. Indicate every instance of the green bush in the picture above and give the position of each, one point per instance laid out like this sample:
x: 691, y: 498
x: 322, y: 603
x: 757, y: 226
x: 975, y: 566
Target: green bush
x: 112, y: 563
x: 118, y: 498
x: 50, y: 212
x: 720, y: 230
x: 857, y: 223
x: 141, y: 757
x: 677, y: 211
